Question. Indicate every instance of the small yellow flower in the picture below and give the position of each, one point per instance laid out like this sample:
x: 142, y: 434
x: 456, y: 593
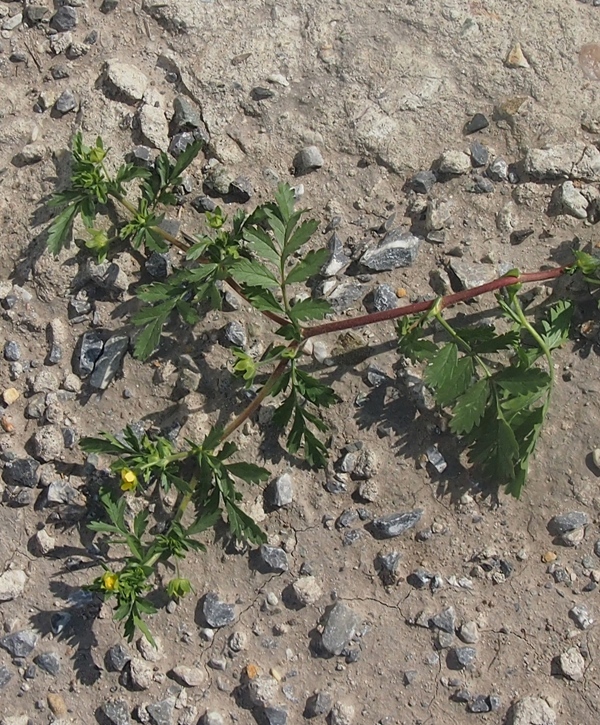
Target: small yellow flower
x: 110, y: 581
x: 129, y: 480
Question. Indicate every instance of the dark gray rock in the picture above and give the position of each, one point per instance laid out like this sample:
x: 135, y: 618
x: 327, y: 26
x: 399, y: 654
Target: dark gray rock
x: 91, y: 348
x: 273, y: 559
x: 387, y: 567
x: 581, y: 616
x: 5, y: 676
x: 234, y: 335
x: 445, y: 620
x: 158, y: 265
x: 340, y: 628
x: 396, y: 524
x: 481, y: 185
x: 21, y: 472
x: 161, y: 713
x: 216, y: 613
x: 461, y: 657
x: 64, y: 19
x: 35, y: 13
x: 318, y: 704
x: 345, y: 295
x: 186, y: 114
x: 59, y: 72
x: 479, y: 154
x: 259, y: 93
x: 180, y: 142
x: 307, y: 160
x: 337, y: 261
x: 346, y: 519
x: 376, y: 376
x: 66, y: 101
x: 281, y: 491
x: 563, y: 523
x: 498, y: 170
x: 422, y: 182
x: 494, y: 702
x: 477, y: 123
x: 275, y: 715
x: 419, y: 578
x: 108, y: 6
x: 384, y: 298
x: 12, y: 351
x: 117, y: 711
x: 49, y: 662
x: 203, y: 204
x: 117, y: 657
x: 142, y: 156
x: 109, y: 363
x: 398, y: 248
x: 241, y: 190
x: 59, y: 621
x: 19, y: 644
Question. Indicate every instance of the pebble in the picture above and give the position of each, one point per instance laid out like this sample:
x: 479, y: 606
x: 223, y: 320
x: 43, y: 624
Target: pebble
x: 238, y: 642
x: 571, y: 201
x: 307, y: 160
x: 469, y: 632
x: 216, y: 613
x: 572, y: 160
x: 117, y: 657
x: 203, y: 204
x: 234, y: 335
x: 275, y: 715
x: 344, y: 295
x: 563, y: 523
x: 581, y: 616
x: 438, y: 215
x: 109, y: 276
x: 384, y: 298
x: 57, y: 704
x: 150, y: 652
x: 47, y: 443
x: 273, y: 559
x: 58, y: 337
x: 337, y: 261
x: 45, y: 382
x: 481, y: 185
x: 12, y: 22
x: 140, y: 675
x: 572, y: 664
x: 158, y: 265
x: 479, y: 704
x: 281, y: 491
x: 19, y: 644
x: 22, y: 472
x: 65, y: 102
x: 263, y: 690
x: 186, y: 115
x: 211, y: 717
x: 479, y: 154
x: 64, y: 19
x: 320, y: 703
x: 10, y: 396
x: 241, y: 190
x: 117, y: 712
x: 436, y: 459
x: 516, y: 58
x: 90, y: 350
x: 12, y: 584
x: 387, y: 565
x: 454, y: 163
x: 533, y: 711
x: 5, y: 676
x: 126, y: 79
x: 49, y: 662
x: 398, y: 248
x: 109, y: 363
x: 180, y: 142
x: 477, y: 123
x: 422, y: 182
x: 445, y: 620
x: 43, y: 543
x: 396, y: 524
x: 461, y: 657
x: 472, y: 275
x: 340, y: 627
x: 342, y: 713
x: 12, y: 351
x: 153, y: 126
x: 307, y: 590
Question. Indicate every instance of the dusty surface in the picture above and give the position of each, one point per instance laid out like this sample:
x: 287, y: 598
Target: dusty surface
x: 382, y: 90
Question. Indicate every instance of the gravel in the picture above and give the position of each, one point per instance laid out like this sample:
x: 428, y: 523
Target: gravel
x: 216, y: 613
x: 398, y: 248
x: 307, y: 159
x: 20, y: 644
x: 340, y: 627
x: 395, y: 524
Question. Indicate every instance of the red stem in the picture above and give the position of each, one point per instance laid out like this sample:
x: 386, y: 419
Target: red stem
x: 446, y: 301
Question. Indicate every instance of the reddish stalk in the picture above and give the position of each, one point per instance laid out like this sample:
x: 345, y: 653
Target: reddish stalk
x: 447, y: 301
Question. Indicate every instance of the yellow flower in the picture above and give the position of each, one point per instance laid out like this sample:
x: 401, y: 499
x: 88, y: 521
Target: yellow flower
x: 129, y: 480
x: 110, y: 581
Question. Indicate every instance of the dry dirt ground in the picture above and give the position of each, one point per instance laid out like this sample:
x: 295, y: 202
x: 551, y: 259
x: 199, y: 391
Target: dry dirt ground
x: 382, y: 89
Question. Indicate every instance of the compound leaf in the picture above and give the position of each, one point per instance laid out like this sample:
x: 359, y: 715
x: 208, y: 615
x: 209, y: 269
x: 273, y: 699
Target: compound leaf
x: 470, y: 407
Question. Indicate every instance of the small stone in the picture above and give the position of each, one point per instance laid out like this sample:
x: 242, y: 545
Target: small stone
x: 307, y: 590
x: 479, y: 154
x: 532, y: 711
x: 12, y: 351
x: 153, y: 126
x: 218, y: 179
x: 180, y: 142
x: 161, y: 712
x: 498, y: 170
x: 64, y: 19
x: 516, y: 58
x: 344, y: 295
x: 109, y: 276
x: 49, y: 662
x: 387, y: 566
x: 563, y: 523
x: 477, y: 123
x: 241, y: 190
x: 281, y: 491
x: 59, y: 72
x: 396, y: 524
x: 47, y: 443
x: 445, y: 620
x: 5, y: 676
x: 307, y: 160
x: 436, y: 459
x: 469, y: 633
x: 479, y: 704
x: 71, y: 383
x: 150, y: 652
x: 342, y: 713
x: 186, y: 114
x: 571, y: 201
x: 275, y: 715
x: 108, y: 6
x: 273, y: 559
x: 117, y: 657
x: 337, y: 261
x: 572, y: 664
x: 43, y: 543
x: 90, y: 350
x: 140, y: 674
x: 45, y: 382
x: 368, y: 491
x: 12, y: 584
x: 238, y: 642
x: 19, y: 644
x: 128, y: 82
x: 66, y: 101
x: 117, y: 712
x: 263, y: 690
x: 318, y: 704
x: 422, y: 182
x: 397, y: 249
x: 10, y: 396
x: 158, y: 265
x: 472, y: 275
x: 21, y: 472
x: 212, y: 718
x: 580, y: 615
x: 438, y: 215
x: 57, y: 333
x: 234, y: 335
x: 340, y: 628
x: 109, y: 363
x: 203, y: 204
x: 454, y: 163
x: 12, y: 22
x: 216, y: 613
x: 461, y: 657
x: 571, y: 160
x: 384, y: 298
x: 57, y: 704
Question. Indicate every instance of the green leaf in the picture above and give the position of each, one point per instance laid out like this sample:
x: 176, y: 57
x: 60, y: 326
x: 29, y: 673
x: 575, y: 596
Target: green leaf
x: 253, y: 273
x: 519, y: 381
x: 61, y: 229
x: 242, y: 526
x: 262, y: 245
x: 148, y: 340
x: 470, y: 407
x: 185, y: 158
x: 283, y: 414
x: 249, y: 472
x: 310, y: 309
x: 410, y: 340
x: 205, y: 522
x: 587, y: 263
x: 264, y: 300
x: 277, y: 226
x: 284, y: 197
x: 309, y: 266
x: 448, y: 376
x: 302, y: 234
x: 556, y: 327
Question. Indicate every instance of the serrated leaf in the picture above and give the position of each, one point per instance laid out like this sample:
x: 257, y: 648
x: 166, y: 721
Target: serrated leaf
x: 587, y: 263
x: 301, y: 235
x: 307, y: 267
x: 261, y: 244
x: 249, y: 472
x: 277, y: 227
x: 310, y: 309
x: 447, y: 375
x: 149, y: 338
x: 470, y: 407
x: 264, y: 300
x: 283, y: 414
x: 185, y: 158
x: 284, y: 197
x: 61, y: 229
x: 519, y: 381
x: 243, y: 526
x: 205, y: 522
x: 411, y: 343
x: 254, y: 274
x: 187, y: 312
x: 556, y: 327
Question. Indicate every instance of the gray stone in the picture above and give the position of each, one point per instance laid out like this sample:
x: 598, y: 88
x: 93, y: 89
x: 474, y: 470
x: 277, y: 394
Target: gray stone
x: 117, y: 711
x: 108, y: 276
x: 211, y: 717
x: 48, y: 443
x: 57, y: 333
x: 275, y: 715
x: 19, y: 644
x: 461, y: 657
x: 384, y: 298
x: 342, y: 713
x: 477, y: 123
x: 479, y: 154
x: 186, y: 114
x: 90, y: 350
x: 139, y: 674
x: 45, y: 382
x: 571, y: 160
x: 572, y: 664
x: 318, y: 704
x: 344, y: 295
x: 397, y: 249
x: 241, y: 190
x: 581, y: 616
x: 128, y: 82
x: 64, y: 19
x: 469, y: 633
x: 65, y: 102
x: 532, y: 711
x: 445, y: 620
x: 12, y: 23
x: 21, y: 472
x: 180, y: 142
x: 436, y: 459
x: 454, y: 163
x: 495, y: 702
x: 396, y: 524
x: 158, y: 265
x: 422, y: 182
x: 337, y: 261
x: 49, y: 662
x: 5, y: 676
x: 203, y: 204
x: 108, y: 6
x: 234, y: 335
x: 216, y: 613
x: 263, y: 690
x: 481, y: 185
x: 472, y: 275
x: 571, y: 201
x: 190, y: 676
x: 387, y: 566
x: 563, y: 523
x: 307, y: 590
x: 479, y: 704
x: 307, y: 160
x: 273, y: 559
x: 218, y: 179
x: 161, y: 713
x: 438, y: 215
x: 498, y: 169
x: 62, y: 492
x: 12, y: 351
x: 340, y: 628
x: 117, y: 657
x: 109, y: 363
x: 12, y: 584
x: 281, y: 491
